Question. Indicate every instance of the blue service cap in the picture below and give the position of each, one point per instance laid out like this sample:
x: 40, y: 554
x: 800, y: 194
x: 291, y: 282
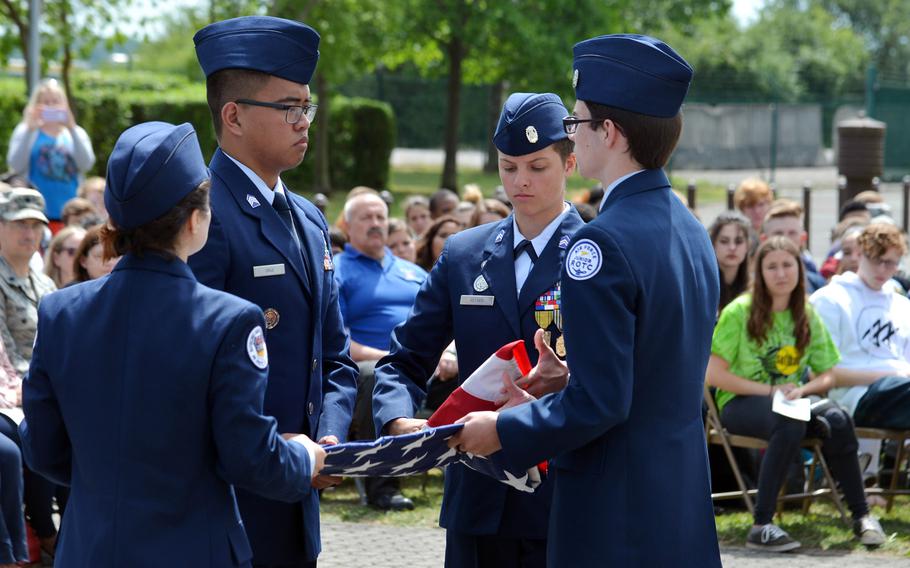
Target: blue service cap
x: 529, y: 122
x: 152, y: 167
x: 633, y: 72
x: 276, y: 46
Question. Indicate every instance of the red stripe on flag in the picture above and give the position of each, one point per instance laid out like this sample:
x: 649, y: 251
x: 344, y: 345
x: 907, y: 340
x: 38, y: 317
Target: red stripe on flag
x: 459, y: 403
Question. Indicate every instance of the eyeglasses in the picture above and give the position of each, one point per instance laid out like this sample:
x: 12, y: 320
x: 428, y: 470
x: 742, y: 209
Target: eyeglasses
x: 293, y: 113
x: 886, y: 264
x: 570, y: 123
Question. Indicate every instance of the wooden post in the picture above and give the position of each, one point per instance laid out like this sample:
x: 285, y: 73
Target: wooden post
x: 807, y: 210
x: 731, y: 190
x: 690, y: 194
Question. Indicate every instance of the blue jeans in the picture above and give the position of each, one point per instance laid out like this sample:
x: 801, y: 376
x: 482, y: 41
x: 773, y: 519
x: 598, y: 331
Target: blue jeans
x: 885, y: 405
x: 13, y: 547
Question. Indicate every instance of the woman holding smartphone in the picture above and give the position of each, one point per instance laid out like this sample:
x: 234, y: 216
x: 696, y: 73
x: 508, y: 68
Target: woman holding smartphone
x: 50, y: 149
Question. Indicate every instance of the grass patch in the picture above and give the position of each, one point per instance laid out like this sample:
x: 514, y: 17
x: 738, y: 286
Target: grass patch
x: 822, y: 528
x: 408, y: 181
x: 342, y: 503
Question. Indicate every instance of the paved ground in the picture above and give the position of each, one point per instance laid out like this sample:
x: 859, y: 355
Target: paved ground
x: 349, y: 545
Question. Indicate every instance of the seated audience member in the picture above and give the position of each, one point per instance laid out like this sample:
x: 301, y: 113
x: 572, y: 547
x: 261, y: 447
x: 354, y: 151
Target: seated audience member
x: 401, y: 240
x: 855, y: 211
x: 417, y: 213
x: 389, y: 199
x: 58, y: 259
x: 879, y: 211
x: 753, y: 198
x: 92, y: 189
x: 764, y: 342
x: 846, y: 257
x: 341, y: 222
x: 443, y: 202
x: 730, y: 234
x: 13, y: 549
x: 321, y: 201
x: 79, y: 212
x: 89, y: 262
x: 868, y: 321
x: 585, y: 211
x: 785, y: 218
x: 429, y: 247
x: 489, y: 211
x: 337, y: 239
x: 376, y: 291
x: 464, y: 214
x: 22, y: 224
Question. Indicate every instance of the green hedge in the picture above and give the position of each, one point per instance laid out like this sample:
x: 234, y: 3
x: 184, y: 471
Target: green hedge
x: 360, y: 144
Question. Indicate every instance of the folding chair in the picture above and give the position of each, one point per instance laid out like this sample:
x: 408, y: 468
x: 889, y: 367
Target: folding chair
x: 715, y: 433
x: 900, y: 437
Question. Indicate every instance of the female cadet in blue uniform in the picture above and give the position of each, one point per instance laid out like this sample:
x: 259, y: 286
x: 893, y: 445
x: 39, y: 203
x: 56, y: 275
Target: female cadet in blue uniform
x: 640, y: 291
x: 491, y: 285
x: 152, y: 435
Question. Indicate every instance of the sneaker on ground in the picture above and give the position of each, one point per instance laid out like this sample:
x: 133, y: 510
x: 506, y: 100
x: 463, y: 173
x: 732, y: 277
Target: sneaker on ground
x: 770, y: 538
x: 869, y: 531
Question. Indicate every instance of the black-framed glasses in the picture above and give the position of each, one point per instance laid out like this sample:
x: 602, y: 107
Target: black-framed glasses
x: 293, y: 113
x: 570, y: 123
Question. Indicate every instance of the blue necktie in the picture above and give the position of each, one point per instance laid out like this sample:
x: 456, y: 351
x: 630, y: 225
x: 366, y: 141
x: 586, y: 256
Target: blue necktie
x: 280, y: 203
x: 526, y: 246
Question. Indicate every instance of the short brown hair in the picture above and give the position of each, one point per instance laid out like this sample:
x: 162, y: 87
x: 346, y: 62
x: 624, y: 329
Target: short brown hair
x: 564, y: 148
x: 157, y: 236
x: 228, y: 85
x: 76, y: 207
x: 651, y: 139
x: 750, y: 192
x: 784, y: 208
x: 877, y: 238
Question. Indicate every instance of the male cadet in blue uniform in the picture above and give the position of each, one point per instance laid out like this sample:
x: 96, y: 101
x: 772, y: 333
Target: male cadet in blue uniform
x: 494, y: 284
x: 639, y: 294
x: 271, y: 247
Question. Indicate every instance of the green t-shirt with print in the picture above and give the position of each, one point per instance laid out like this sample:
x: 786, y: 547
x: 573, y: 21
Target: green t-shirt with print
x: 776, y: 360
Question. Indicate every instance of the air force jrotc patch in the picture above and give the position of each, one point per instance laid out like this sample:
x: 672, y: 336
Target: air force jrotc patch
x: 254, y: 203
x: 255, y: 348
x: 584, y: 260
x: 271, y: 318
x: 531, y: 134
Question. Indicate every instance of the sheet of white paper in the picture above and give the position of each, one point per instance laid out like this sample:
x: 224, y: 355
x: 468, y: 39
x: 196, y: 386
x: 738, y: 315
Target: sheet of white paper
x: 796, y: 409
x: 15, y: 414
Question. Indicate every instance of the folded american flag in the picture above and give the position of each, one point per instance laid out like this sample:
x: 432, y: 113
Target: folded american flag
x: 410, y: 454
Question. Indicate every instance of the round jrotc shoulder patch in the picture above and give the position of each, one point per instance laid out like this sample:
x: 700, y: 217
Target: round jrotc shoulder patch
x: 255, y: 348
x: 584, y: 260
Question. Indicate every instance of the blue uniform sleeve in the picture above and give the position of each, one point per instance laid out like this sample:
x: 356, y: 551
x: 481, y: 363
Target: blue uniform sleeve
x: 416, y: 344
x: 339, y: 372
x: 45, y: 443
x: 212, y: 263
x: 250, y: 452
x: 599, y: 328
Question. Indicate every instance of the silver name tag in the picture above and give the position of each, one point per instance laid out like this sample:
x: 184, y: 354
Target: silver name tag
x: 470, y: 300
x: 268, y: 270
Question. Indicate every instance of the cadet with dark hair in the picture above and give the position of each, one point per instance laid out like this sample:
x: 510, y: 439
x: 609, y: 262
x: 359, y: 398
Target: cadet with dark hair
x: 152, y: 436
x: 272, y: 247
x: 639, y: 298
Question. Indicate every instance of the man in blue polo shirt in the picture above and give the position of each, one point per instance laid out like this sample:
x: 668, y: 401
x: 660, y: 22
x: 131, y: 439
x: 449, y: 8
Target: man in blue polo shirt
x: 376, y: 293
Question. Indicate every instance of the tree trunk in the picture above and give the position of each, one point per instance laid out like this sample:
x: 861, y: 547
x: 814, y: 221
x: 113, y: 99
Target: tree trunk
x: 453, y: 109
x: 9, y: 10
x: 322, y: 180
x: 495, y: 103
x: 67, y: 63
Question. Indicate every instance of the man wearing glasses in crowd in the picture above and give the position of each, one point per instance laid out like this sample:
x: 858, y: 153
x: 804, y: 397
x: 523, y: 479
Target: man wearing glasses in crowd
x: 271, y: 247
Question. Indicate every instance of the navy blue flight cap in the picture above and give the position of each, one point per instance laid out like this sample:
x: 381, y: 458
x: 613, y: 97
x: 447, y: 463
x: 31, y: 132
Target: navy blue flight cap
x: 637, y: 73
x: 152, y: 167
x: 529, y: 122
x: 279, y: 47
